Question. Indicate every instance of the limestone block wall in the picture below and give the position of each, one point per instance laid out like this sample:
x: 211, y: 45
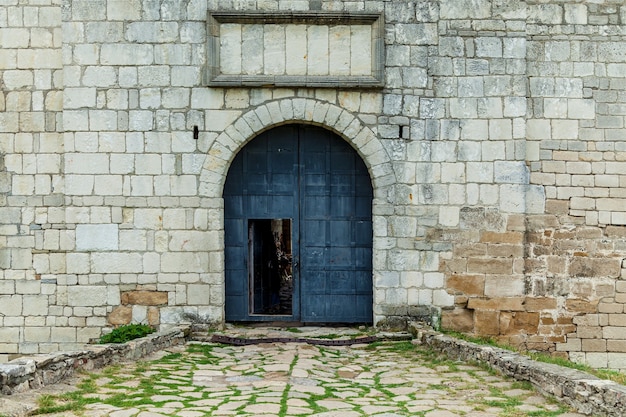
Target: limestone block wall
x: 495, y: 150
x: 577, y: 134
x: 144, y: 246
x: 568, y: 296
x: 31, y: 186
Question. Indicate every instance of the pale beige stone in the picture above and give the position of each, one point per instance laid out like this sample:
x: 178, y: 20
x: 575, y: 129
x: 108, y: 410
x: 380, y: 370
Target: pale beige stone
x: 339, y: 46
x: 317, y: 49
x: 296, y: 49
x: 230, y: 48
x: 274, y: 50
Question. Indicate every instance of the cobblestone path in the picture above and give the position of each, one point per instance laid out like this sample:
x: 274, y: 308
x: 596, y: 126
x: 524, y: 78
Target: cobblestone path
x: 296, y: 379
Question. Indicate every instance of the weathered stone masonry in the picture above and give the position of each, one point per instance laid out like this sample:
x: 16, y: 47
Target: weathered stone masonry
x: 496, y: 149
x: 570, y: 257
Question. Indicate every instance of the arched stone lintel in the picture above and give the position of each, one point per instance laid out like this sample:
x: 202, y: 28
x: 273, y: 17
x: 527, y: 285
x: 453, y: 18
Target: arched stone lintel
x: 285, y: 111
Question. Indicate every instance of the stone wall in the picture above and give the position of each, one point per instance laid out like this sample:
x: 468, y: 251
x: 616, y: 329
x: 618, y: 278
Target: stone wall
x: 495, y: 150
x: 584, y: 392
x: 576, y: 131
x: 37, y: 371
x: 31, y: 184
x: 562, y: 288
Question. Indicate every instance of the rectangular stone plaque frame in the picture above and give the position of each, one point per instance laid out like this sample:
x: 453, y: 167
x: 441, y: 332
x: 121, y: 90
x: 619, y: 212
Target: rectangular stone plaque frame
x: 214, y: 77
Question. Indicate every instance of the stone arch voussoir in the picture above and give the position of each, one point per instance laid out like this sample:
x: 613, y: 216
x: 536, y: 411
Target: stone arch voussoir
x: 293, y: 110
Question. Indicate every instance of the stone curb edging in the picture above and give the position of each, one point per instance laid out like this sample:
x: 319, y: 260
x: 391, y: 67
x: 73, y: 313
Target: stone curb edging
x: 584, y: 392
x: 36, y: 371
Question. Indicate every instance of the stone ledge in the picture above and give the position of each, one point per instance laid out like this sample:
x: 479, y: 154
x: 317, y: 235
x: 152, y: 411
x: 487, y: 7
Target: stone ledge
x: 36, y: 371
x: 584, y: 392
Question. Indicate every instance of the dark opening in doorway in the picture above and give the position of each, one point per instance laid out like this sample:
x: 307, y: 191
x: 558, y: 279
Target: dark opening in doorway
x: 270, y: 266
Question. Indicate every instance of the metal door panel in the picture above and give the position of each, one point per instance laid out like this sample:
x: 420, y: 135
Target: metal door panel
x: 341, y: 231
x: 283, y: 183
x: 234, y: 206
x: 282, y: 161
x: 362, y: 305
x: 256, y: 161
x: 342, y: 305
x: 237, y: 231
x: 361, y: 285
x: 334, y: 201
x: 315, y: 282
x: 316, y: 207
x: 362, y: 260
x: 362, y: 185
x: 315, y: 182
x: 341, y: 185
x: 281, y: 206
x: 342, y: 160
x: 342, y: 282
x: 315, y: 185
x: 341, y: 206
x: 311, y: 176
x: 314, y: 257
x: 362, y: 230
x: 362, y: 212
x: 314, y: 231
x: 316, y: 308
x: 340, y: 257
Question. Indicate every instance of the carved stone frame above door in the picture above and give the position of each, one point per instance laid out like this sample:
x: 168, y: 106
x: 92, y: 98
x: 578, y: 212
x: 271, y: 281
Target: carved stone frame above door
x: 295, y: 49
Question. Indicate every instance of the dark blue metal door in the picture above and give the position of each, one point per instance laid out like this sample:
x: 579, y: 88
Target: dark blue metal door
x: 298, y: 230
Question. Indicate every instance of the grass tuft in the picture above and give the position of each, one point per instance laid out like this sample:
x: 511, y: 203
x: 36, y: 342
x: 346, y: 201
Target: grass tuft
x: 171, y: 356
x: 126, y: 332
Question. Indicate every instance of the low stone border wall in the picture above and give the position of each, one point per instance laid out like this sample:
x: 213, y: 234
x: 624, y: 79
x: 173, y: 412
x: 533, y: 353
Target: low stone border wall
x: 584, y: 392
x: 37, y: 371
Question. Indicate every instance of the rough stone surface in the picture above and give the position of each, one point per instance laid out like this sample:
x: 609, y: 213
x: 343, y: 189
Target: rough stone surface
x: 495, y: 149
x: 586, y: 393
x: 46, y: 369
x: 146, y: 298
x: 405, y: 380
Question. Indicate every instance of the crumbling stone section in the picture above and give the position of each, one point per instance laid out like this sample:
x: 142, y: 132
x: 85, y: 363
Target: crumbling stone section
x: 486, y: 274
x: 538, y: 284
x: 40, y: 370
x: 586, y: 393
x: 587, y: 264
x: 140, y: 303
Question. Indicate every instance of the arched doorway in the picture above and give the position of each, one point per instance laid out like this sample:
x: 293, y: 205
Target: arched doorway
x: 298, y: 229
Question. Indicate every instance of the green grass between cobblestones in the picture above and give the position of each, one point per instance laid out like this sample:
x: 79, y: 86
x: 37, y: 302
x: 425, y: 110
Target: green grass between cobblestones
x: 142, y: 385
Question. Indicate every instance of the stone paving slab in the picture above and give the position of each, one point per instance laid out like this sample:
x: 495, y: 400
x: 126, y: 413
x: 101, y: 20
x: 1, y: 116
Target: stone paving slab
x: 384, y: 379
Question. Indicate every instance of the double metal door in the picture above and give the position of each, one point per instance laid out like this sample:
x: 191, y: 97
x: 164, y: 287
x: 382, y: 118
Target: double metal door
x: 298, y: 230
